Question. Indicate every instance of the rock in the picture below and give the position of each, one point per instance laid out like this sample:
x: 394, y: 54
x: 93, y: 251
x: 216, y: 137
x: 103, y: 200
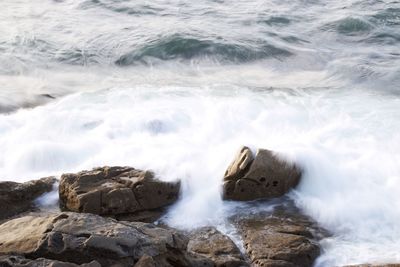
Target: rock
x: 16, y: 198
x: 145, y: 261
x: 82, y: 238
x: 262, y: 176
x: 19, y: 261
x: 375, y: 265
x: 116, y: 191
x: 279, y: 240
x: 212, y: 244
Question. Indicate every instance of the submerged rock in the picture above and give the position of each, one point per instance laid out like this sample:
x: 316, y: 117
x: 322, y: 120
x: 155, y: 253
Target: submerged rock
x: 83, y: 238
x: 212, y: 244
x: 262, y: 176
x: 119, y: 191
x: 16, y: 198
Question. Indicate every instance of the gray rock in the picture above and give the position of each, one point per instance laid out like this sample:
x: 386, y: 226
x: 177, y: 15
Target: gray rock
x: 83, y: 238
x: 16, y: 198
x: 119, y: 191
x: 262, y: 176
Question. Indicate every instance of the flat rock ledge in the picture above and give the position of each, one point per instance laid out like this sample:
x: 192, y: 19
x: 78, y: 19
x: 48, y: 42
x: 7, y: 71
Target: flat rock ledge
x: 264, y: 175
x: 78, y: 238
x: 16, y: 198
x: 122, y: 192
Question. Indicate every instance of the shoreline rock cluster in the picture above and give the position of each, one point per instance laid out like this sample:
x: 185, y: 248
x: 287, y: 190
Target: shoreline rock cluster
x: 107, y: 216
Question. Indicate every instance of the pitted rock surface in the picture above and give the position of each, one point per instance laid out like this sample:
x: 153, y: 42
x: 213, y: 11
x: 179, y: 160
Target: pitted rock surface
x: 264, y: 175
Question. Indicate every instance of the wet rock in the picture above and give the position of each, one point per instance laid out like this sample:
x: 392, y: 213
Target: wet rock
x: 279, y: 240
x: 121, y: 191
x: 212, y: 244
x: 375, y: 265
x: 16, y: 198
x: 82, y: 238
x: 262, y: 176
x: 145, y: 261
x: 19, y: 261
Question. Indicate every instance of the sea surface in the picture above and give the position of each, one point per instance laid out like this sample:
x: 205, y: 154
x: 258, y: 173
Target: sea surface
x: 179, y: 86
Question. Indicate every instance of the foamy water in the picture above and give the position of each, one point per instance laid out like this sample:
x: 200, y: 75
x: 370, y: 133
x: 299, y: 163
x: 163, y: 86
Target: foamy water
x: 178, y: 87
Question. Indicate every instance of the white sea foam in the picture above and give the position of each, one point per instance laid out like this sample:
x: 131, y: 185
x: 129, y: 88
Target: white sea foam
x: 347, y: 142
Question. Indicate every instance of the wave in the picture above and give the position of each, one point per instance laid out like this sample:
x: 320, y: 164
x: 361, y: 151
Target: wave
x: 187, y: 48
x: 123, y: 7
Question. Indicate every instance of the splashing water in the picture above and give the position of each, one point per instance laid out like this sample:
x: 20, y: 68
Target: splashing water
x: 178, y: 87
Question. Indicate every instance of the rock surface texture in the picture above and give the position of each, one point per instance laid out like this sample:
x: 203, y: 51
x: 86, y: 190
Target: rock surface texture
x: 16, y: 198
x: 278, y: 242
x: 119, y: 191
x: 212, y: 244
x: 19, y: 261
x: 261, y: 176
x: 83, y: 238
x: 375, y: 265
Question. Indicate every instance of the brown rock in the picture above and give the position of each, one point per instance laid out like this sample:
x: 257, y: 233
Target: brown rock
x: 115, y: 191
x: 19, y: 261
x: 16, y: 198
x: 212, y: 244
x: 264, y: 176
x: 145, y: 261
x: 279, y: 241
x: 82, y: 238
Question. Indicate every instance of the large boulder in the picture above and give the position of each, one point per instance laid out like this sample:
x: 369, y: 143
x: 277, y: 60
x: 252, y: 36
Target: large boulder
x: 212, y: 244
x: 82, y: 238
x: 118, y: 191
x: 16, y: 198
x: 19, y: 261
x: 261, y: 176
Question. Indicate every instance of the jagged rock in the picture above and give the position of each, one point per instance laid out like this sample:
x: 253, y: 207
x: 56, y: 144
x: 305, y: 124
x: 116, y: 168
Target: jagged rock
x: 262, y: 176
x: 82, y: 238
x: 16, y: 198
x: 279, y: 240
x: 19, y: 261
x: 211, y: 243
x: 116, y: 191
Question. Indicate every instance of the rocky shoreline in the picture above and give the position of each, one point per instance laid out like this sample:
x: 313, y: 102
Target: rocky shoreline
x: 107, y: 219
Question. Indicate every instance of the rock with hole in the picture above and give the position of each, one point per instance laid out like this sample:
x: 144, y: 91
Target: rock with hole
x: 264, y: 175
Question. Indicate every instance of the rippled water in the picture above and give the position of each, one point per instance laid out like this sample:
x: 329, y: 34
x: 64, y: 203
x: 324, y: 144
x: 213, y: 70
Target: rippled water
x: 178, y: 86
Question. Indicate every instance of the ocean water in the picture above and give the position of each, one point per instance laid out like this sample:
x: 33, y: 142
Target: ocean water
x: 179, y: 86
